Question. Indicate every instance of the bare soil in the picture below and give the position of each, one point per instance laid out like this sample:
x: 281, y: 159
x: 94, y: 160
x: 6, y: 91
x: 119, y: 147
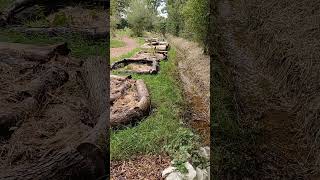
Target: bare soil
x: 144, y: 167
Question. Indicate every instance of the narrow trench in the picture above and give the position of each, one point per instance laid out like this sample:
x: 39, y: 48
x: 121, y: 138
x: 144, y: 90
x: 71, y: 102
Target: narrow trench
x: 195, y: 114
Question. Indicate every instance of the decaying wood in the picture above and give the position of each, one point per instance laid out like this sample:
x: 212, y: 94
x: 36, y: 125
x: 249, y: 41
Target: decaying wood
x: 84, y: 158
x: 96, y: 78
x: 13, y: 115
x: 64, y: 165
x: 89, y: 33
x: 153, y: 69
x: 136, y: 112
x: 119, y: 91
x: 32, y: 96
x: 34, y: 52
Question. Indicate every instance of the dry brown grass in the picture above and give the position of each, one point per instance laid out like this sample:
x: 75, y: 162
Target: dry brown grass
x: 198, y: 64
x: 284, y: 36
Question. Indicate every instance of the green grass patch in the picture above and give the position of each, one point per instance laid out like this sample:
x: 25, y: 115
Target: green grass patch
x: 4, y: 4
x: 115, y: 43
x: 233, y: 144
x: 163, y: 130
x: 79, y: 46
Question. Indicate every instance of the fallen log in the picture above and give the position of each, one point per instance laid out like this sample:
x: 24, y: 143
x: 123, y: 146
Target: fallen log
x: 33, y: 52
x: 96, y: 77
x: 85, y: 159
x: 137, y: 112
x: 88, y: 33
x: 88, y: 161
x: 148, y: 56
x: 119, y: 92
x: 32, y: 96
x: 154, y: 68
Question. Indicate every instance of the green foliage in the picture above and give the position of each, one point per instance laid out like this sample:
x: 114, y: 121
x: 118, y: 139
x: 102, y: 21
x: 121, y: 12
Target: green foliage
x: 195, y: 15
x: 140, y: 17
x: 188, y: 18
x: 114, y: 21
x: 4, y: 4
x: 61, y: 19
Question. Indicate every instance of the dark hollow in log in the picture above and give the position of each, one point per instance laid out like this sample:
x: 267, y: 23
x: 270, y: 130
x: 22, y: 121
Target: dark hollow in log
x: 34, y: 52
x: 154, y: 66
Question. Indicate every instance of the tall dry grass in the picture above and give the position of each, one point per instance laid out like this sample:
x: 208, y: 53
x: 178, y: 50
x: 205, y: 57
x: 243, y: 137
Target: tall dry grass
x: 285, y: 38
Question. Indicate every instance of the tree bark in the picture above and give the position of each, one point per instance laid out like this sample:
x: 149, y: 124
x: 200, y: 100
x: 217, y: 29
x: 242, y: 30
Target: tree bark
x: 32, y: 97
x: 33, y: 52
x: 136, y: 112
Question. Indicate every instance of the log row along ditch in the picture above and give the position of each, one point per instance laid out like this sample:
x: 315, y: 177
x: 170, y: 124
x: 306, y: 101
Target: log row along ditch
x: 130, y: 100
x: 57, y: 18
x: 49, y: 128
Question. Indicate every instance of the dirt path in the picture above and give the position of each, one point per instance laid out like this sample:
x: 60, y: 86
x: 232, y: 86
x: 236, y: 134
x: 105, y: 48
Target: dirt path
x: 278, y: 154
x: 130, y: 45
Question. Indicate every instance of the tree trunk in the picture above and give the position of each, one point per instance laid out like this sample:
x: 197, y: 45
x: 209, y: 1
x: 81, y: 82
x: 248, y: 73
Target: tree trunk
x: 33, y: 52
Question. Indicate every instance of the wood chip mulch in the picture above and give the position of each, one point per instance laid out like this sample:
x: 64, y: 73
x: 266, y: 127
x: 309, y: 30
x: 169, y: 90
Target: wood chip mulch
x: 145, y: 167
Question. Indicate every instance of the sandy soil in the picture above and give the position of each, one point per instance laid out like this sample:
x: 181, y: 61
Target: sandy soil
x: 130, y: 45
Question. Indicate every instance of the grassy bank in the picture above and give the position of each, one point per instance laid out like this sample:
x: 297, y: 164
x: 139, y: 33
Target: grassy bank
x: 162, y: 131
x: 79, y: 46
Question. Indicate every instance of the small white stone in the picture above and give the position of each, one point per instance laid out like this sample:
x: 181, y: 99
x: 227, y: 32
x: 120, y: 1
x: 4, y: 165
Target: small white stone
x: 208, y: 171
x: 168, y: 171
x: 175, y: 176
x: 202, y: 174
x: 205, y: 152
x: 191, y: 172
